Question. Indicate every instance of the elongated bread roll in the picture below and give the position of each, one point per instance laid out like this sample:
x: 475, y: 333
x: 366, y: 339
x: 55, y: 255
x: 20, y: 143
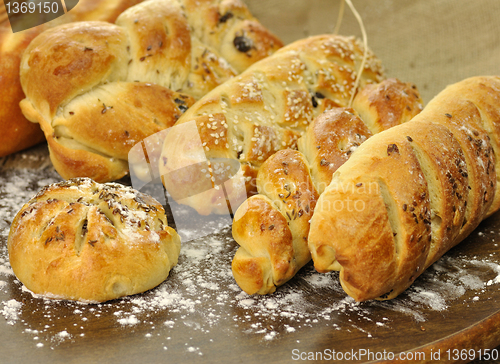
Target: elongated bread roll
x: 410, y: 193
x: 263, y: 110
x: 17, y: 132
x: 97, y: 89
x: 85, y: 241
x: 272, y: 228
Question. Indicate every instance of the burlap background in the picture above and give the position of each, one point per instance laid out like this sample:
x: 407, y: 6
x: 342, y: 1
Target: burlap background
x: 429, y: 42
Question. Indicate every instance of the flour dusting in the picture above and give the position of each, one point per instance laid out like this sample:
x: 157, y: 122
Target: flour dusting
x: 11, y: 310
x: 201, y: 294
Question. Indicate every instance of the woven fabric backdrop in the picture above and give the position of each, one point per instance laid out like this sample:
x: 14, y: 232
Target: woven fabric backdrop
x: 431, y: 43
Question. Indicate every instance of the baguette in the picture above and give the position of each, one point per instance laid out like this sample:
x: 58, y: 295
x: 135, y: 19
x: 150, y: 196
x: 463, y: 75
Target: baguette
x: 18, y: 133
x: 97, y: 88
x: 250, y: 117
x: 415, y: 191
x: 272, y: 227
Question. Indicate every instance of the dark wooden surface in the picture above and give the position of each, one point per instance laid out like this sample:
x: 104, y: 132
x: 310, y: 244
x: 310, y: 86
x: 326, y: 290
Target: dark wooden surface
x: 199, y: 315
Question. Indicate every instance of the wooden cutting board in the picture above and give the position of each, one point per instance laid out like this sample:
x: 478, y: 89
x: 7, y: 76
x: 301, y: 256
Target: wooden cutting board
x: 200, y: 315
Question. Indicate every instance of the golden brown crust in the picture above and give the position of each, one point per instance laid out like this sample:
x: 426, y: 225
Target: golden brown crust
x: 240, y: 38
x: 69, y: 60
x: 266, y: 109
x: 257, y: 266
x: 375, y: 230
x: 77, y: 162
x: 329, y: 141
x: 442, y: 188
x: 407, y: 208
x: 272, y: 227
x: 285, y: 180
x: 99, y: 10
x: 486, y: 101
x: 100, y: 88
x: 79, y: 240
x: 18, y: 133
x: 386, y: 104
x: 442, y: 161
x: 463, y: 119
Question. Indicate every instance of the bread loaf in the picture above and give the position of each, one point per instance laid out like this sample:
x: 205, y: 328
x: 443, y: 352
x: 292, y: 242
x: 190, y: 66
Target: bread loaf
x: 97, y: 89
x: 414, y: 191
x: 80, y: 240
x: 272, y: 227
x: 17, y: 132
x: 252, y: 116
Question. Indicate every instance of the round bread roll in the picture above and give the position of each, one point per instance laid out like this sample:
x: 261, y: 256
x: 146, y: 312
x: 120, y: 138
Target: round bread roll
x: 81, y: 240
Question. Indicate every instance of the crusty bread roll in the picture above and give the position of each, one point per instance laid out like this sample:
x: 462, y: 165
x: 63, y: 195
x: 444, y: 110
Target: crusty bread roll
x: 80, y: 240
x: 410, y: 193
x: 272, y: 228
x: 97, y: 89
x: 17, y: 132
x: 263, y: 110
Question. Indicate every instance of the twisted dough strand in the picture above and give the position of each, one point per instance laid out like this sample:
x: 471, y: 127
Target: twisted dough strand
x: 263, y: 110
x: 97, y: 89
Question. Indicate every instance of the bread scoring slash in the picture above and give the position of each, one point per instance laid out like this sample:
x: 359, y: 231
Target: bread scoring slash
x: 250, y: 117
x: 433, y: 180
x: 80, y: 240
x: 17, y: 132
x: 97, y: 89
x: 272, y: 227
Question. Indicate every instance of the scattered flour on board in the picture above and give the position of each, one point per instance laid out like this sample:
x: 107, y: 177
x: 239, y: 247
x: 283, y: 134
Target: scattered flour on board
x: 61, y: 336
x: 201, y: 293
x: 10, y: 311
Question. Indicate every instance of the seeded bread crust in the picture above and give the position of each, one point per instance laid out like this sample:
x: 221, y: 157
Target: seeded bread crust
x: 272, y: 227
x: 265, y: 109
x: 80, y: 240
x: 433, y: 180
x: 290, y: 182
x: 97, y: 89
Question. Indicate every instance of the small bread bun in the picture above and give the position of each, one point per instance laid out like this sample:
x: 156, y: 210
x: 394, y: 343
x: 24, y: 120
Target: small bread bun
x: 85, y: 241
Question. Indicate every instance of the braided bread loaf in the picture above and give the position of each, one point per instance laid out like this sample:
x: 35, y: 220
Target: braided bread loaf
x: 272, y: 227
x: 414, y: 191
x: 250, y: 117
x: 17, y: 132
x: 97, y: 89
